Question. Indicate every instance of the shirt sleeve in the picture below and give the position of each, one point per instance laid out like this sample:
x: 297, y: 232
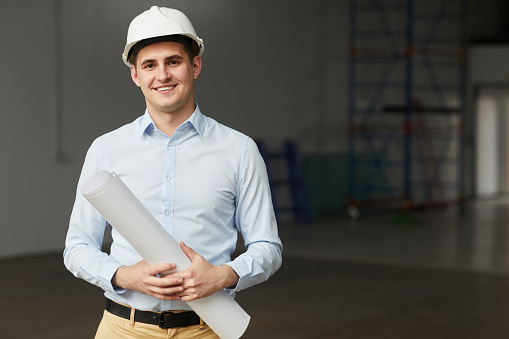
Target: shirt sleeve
x: 256, y: 221
x: 83, y: 255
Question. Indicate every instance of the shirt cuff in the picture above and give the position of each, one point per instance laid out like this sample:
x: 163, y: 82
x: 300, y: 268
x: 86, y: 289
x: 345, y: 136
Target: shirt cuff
x: 109, y: 270
x: 243, y: 272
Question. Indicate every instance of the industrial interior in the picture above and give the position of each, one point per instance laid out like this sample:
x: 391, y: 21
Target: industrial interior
x: 384, y: 129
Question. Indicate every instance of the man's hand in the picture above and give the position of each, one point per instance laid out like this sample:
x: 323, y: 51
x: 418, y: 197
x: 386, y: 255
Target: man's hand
x: 202, y: 278
x: 144, y: 278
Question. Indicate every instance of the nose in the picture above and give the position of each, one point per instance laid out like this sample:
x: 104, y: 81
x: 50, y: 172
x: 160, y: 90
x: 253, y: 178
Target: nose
x: 163, y: 74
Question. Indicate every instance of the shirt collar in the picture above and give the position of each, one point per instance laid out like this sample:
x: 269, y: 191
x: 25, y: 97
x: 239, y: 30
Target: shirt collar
x: 197, y: 120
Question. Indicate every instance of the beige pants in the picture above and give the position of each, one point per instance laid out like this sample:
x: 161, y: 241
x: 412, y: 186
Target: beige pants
x: 114, y: 327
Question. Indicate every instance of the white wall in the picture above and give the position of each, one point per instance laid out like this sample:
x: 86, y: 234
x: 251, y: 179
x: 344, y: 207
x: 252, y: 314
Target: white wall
x: 272, y: 69
x: 487, y: 146
x: 489, y: 72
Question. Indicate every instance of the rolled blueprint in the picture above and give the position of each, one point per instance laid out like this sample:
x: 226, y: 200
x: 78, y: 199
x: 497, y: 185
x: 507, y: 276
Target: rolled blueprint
x: 115, y: 201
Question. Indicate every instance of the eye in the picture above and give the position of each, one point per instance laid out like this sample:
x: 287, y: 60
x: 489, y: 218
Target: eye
x: 148, y: 66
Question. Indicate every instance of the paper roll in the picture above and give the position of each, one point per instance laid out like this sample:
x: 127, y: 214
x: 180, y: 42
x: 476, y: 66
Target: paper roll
x: 113, y: 199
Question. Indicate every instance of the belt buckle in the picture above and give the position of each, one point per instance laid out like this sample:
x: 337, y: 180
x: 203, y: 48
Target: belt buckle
x: 168, y: 320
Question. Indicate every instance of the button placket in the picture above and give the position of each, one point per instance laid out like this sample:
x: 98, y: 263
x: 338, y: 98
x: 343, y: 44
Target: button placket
x: 169, y: 191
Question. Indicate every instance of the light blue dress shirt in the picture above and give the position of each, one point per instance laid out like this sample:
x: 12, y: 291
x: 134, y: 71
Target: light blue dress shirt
x: 204, y: 185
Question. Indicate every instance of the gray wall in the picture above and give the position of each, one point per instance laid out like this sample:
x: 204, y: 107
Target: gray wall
x: 270, y: 71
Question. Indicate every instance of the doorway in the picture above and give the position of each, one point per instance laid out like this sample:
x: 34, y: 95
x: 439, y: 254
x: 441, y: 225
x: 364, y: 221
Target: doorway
x: 491, y: 130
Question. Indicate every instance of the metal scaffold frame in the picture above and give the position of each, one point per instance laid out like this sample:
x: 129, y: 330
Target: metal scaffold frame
x: 406, y: 103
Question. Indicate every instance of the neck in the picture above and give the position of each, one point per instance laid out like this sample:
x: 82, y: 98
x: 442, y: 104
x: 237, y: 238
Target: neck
x: 169, y: 122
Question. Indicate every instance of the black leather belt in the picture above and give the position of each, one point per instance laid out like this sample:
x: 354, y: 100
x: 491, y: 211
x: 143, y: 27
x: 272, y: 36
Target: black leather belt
x: 163, y: 319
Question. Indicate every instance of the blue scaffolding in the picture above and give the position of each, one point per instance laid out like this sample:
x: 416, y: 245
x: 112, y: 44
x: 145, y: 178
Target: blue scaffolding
x: 406, y: 103
x: 290, y: 180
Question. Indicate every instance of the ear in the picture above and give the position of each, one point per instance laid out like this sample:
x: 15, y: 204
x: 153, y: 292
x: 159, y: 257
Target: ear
x: 196, y: 67
x: 134, y: 75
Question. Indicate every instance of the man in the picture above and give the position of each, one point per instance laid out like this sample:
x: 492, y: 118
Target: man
x: 203, y: 181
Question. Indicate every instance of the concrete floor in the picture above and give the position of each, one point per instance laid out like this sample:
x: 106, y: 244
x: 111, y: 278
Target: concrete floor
x: 434, y: 274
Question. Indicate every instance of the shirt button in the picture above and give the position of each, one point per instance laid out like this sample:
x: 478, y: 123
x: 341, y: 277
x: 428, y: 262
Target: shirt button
x: 168, y: 212
x: 168, y: 178
x: 171, y: 144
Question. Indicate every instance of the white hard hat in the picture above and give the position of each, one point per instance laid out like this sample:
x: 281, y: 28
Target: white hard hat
x: 159, y: 22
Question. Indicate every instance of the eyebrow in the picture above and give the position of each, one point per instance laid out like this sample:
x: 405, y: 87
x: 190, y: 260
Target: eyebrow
x: 148, y: 61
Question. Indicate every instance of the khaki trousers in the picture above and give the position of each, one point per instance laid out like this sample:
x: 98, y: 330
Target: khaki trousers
x: 114, y: 327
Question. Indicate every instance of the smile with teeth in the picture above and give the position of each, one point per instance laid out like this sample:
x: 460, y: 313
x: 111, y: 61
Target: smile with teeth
x: 165, y: 88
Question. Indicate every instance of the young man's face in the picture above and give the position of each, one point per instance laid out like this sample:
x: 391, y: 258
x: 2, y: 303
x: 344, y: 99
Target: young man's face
x: 165, y: 74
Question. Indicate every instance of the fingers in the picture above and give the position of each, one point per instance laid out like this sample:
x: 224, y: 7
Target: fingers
x: 164, y: 282
x: 166, y: 293
x: 155, y: 281
x: 161, y: 280
x: 191, y: 254
x: 163, y: 288
x: 161, y: 269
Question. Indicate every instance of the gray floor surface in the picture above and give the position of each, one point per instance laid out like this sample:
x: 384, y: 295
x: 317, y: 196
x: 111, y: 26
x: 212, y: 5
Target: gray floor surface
x: 432, y: 274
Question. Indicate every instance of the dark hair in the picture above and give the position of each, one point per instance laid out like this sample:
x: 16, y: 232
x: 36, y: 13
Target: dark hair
x: 191, y: 45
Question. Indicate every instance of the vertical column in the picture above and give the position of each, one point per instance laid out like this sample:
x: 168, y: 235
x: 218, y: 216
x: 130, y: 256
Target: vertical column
x: 407, y: 129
